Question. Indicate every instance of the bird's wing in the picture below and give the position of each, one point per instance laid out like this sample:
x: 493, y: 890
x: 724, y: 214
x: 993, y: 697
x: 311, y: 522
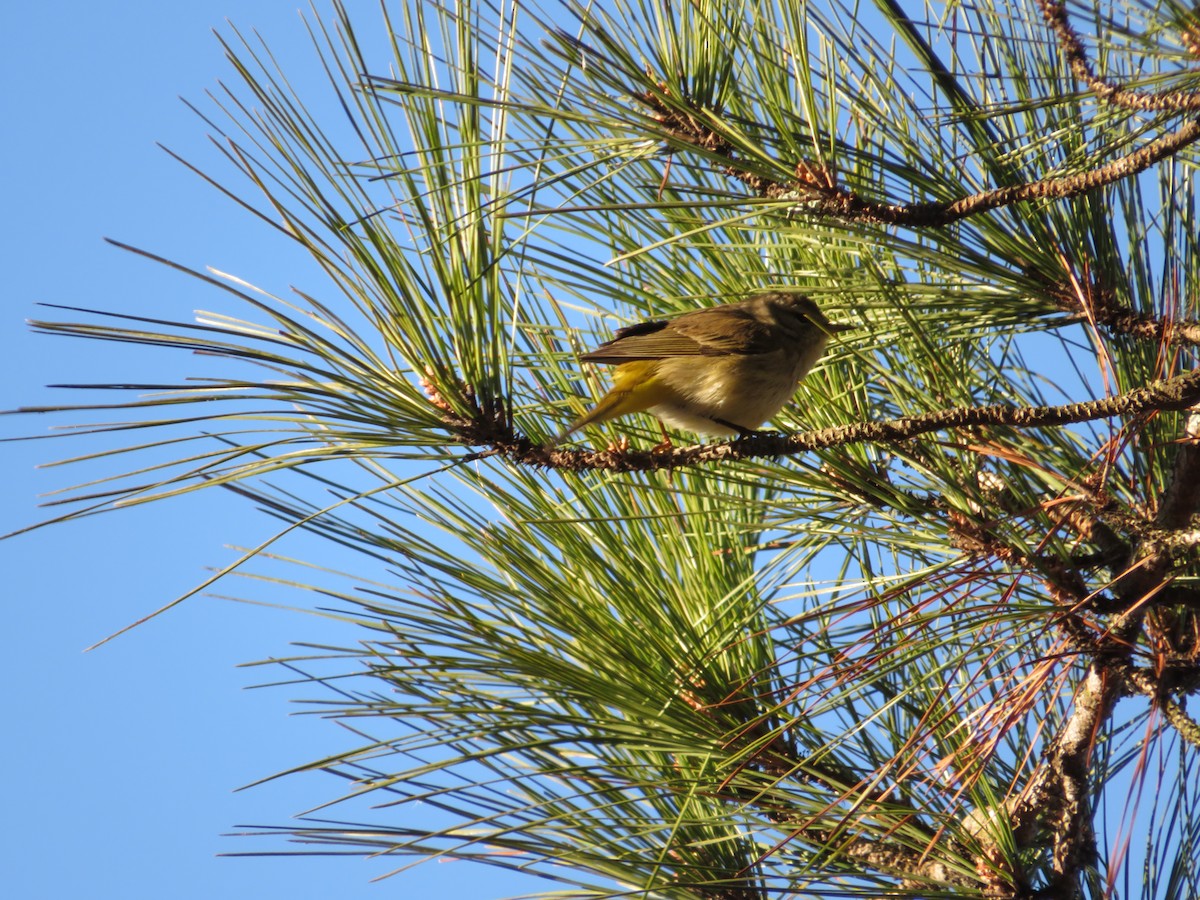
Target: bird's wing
x: 725, y: 330
x: 646, y: 340
x: 717, y: 331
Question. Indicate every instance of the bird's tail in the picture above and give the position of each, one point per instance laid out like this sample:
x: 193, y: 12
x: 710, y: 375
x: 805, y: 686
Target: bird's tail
x: 610, y: 406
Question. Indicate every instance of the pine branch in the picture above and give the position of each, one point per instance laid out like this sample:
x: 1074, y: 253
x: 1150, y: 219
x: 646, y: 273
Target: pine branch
x: 490, y: 428
x: 816, y: 193
x: 1059, y: 795
x: 1107, y: 90
x: 1148, y: 684
x: 1121, y: 320
x: 1181, y: 499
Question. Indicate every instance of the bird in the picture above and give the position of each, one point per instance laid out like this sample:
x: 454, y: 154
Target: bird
x: 722, y: 370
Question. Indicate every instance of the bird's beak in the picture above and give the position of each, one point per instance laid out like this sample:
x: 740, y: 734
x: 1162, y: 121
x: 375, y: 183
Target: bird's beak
x: 835, y: 328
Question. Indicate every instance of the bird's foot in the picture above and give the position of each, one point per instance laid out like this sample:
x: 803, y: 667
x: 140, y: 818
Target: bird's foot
x: 665, y: 445
x: 742, y: 433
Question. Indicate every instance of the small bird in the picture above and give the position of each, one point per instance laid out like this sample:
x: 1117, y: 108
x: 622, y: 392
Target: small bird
x: 722, y: 371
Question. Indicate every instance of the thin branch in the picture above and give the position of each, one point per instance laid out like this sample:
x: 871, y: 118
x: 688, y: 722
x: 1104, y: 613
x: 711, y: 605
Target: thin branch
x: 1186, y: 597
x: 916, y: 869
x: 816, y: 192
x: 1085, y: 520
x: 1172, y: 710
x: 821, y: 200
x: 494, y: 432
x: 1107, y: 90
x: 1121, y: 320
x: 1181, y: 499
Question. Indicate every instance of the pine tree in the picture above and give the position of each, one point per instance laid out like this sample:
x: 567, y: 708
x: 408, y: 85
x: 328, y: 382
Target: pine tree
x: 916, y: 640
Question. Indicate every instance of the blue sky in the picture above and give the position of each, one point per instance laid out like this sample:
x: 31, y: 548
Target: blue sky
x: 123, y: 762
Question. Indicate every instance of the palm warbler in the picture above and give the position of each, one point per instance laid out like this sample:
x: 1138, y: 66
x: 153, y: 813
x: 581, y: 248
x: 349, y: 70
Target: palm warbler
x: 723, y: 370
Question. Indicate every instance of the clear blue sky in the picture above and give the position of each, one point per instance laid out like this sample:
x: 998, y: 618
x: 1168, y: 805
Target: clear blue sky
x: 122, y: 763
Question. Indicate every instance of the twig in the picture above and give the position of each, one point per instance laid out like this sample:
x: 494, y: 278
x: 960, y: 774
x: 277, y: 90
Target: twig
x: 814, y: 191
x: 494, y: 432
x: 1181, y: 499
x: 1110, y: 91
x: 811, y: 198
x: 1173, y: 712
x: 1157, y: 329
